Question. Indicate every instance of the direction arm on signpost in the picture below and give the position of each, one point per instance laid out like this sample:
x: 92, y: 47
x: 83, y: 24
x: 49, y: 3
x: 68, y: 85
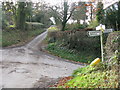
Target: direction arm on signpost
x: 97, y: 33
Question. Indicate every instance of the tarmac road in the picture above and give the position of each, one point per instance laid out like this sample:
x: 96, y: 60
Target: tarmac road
x: 28, y: 67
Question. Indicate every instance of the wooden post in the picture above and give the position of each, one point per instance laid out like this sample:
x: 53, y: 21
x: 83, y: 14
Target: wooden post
x: 101, y: 40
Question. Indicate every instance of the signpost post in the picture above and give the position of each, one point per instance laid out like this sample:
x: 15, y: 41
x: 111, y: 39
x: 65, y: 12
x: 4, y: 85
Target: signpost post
x: 101, y: 39
x: 100, y: 30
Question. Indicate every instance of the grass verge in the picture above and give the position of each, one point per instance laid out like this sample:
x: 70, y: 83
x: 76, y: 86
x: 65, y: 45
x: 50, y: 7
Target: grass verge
x: 84, y: 57
x: 18, y: 37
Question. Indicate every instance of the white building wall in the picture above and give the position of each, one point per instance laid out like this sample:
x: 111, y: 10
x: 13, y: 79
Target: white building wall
x: 107, y: 3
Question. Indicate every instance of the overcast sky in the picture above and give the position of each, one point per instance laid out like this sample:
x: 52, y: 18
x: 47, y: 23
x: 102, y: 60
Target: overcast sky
x: 55, y: 2
x: 52, y: 2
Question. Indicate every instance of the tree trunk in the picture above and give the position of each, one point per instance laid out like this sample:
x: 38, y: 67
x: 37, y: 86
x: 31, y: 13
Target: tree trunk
x: 21, y: 16
x: 63, y: 26
x: 78, y: 22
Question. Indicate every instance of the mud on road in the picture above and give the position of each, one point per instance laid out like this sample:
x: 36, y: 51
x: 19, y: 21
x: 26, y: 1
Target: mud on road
x: 28, y: 67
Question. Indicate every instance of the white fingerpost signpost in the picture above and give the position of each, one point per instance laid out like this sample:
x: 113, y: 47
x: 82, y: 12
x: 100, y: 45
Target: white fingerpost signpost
x: 99, y: 32
x: 102, y: 28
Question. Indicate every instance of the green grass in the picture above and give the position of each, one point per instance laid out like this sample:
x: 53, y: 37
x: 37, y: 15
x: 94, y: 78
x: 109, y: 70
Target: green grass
x: 83, y: 70
x: 93, y: 80
x: 84, y: 78
x: 84, y: 56
x: 18, y: 37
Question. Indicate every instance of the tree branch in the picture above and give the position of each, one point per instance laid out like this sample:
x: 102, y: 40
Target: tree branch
x: 70, y: 14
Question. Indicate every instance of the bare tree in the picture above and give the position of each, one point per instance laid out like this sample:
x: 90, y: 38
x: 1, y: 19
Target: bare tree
x: 63, y: 15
